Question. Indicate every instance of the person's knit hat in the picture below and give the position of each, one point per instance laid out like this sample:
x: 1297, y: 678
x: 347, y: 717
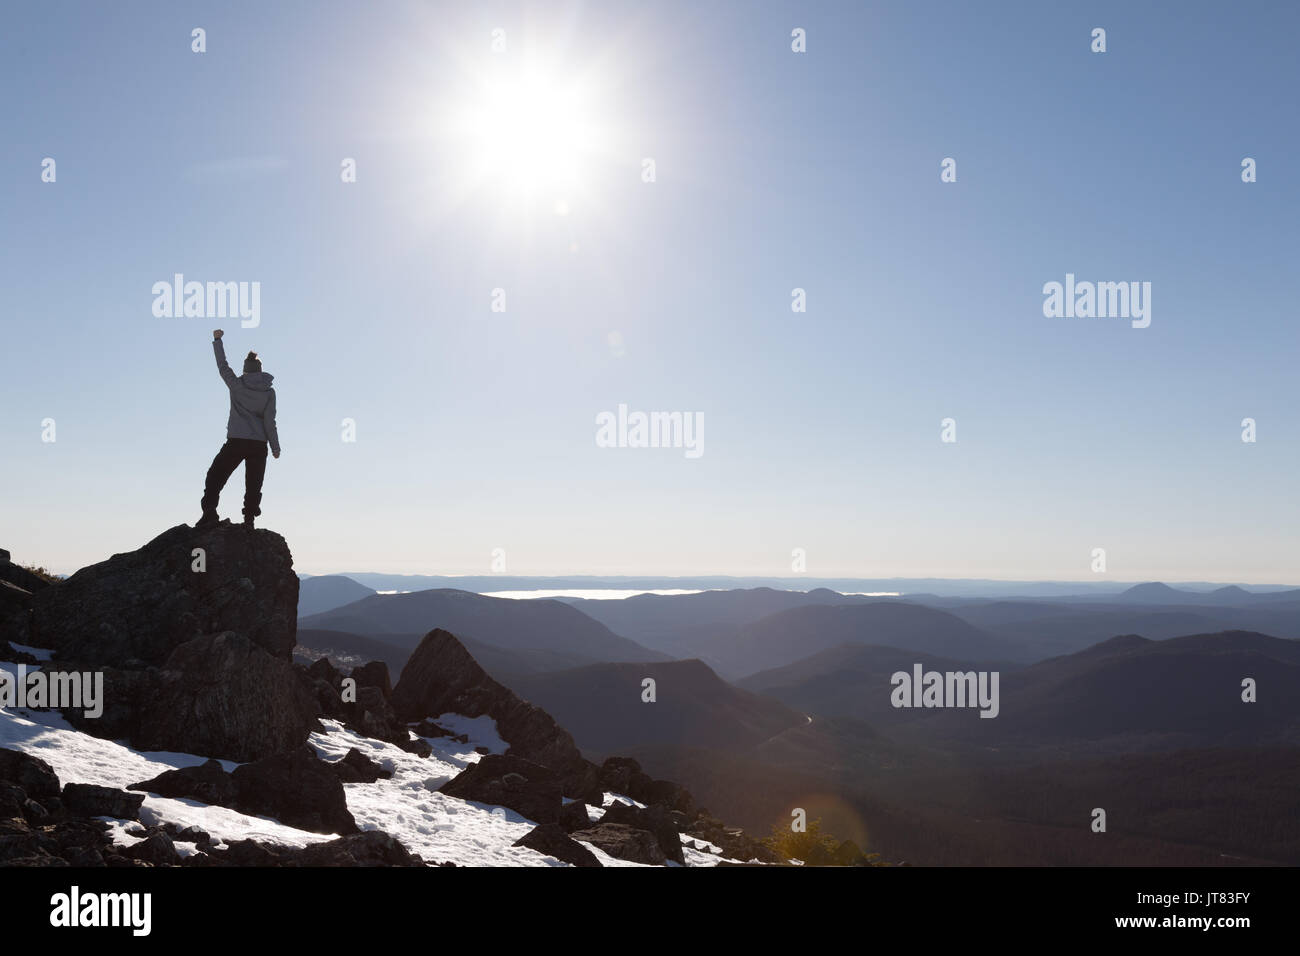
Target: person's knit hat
x: 252, y: 363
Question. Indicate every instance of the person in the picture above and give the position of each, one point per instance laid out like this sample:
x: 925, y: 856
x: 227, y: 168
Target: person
x: 248, y: 432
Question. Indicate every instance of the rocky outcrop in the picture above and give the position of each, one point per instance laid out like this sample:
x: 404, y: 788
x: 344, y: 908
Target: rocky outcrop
x: 15, y: 616
x: 89, y: 800
x: 297, y: 788
x: 217, y: 696
x: 372, y: 848
x: 19, y: 576
x: 42, y: 826
x: 574, y: 816
x: 207, y: 783
x: 657, y: 820
x: 551, y: 840
x: 623, y: 842
x: 356, y: 767
x: 441, y: 677
x: 624, y: 775
x: 531, y: 790
x: 140, y: 606
x: 733, y: 841
x: 365, y: 706
x: 57, y: 830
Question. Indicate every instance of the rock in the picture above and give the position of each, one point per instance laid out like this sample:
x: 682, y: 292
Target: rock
x: 88, y: 800
x: 442, y: 677
x: 551, y: 840
x: 207, y: 782
x: 371, y: 848
x: 528, y: 788
x: 15, y: 620
x: 616, y: 774
x: 219, y: 696
x: 143, y: 604
x: 328, y: 701
x: 574, y: 816
x: 374, y: 674
x: 427, y: 728
x: 191, y: 834
x: 416, y: 746
x: 36, y: 814
x: 356, y: 767
x: 733, y: 841
x: 33, y: 775
x: 623, y: 842
x: 656, y: 819
x: 671, y: 795
x: 323, y: 669
x: 373, y: 716
x: 582, y: 781
x: 296, y: 788
x: 624, y: 775
x: 157, y: 848
x: 20, y: 577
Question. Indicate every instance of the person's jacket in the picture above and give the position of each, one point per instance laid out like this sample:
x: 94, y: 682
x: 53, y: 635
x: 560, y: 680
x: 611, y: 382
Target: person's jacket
x: 252, y: 402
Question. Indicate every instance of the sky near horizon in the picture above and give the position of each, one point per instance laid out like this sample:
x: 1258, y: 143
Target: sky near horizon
x: 523, y: 169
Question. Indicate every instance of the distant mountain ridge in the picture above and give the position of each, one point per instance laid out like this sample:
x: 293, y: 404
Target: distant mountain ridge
x: 543, y: 626
x: 788, y: 636
x: 602, y: 705
x: 328, y: 591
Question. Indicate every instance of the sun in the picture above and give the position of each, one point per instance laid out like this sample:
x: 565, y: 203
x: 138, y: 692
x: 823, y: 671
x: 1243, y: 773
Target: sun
x: 529, y: 134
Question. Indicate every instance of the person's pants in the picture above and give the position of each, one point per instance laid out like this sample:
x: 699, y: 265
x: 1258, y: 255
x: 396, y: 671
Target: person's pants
x: 252, y: 453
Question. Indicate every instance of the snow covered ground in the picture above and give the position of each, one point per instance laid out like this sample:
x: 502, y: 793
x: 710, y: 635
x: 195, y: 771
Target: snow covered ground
x: 407, y: 806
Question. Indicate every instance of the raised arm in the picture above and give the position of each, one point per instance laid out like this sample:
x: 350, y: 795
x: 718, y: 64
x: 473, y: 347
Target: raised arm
x: 268, y: 419
x: 227, y: 374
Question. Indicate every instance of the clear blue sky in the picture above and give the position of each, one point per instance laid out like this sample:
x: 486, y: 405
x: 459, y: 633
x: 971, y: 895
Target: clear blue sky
x: 775, y: 170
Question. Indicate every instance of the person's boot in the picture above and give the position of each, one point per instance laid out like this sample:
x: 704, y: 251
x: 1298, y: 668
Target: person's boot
x: 206, y: 520
x: 248, y: 522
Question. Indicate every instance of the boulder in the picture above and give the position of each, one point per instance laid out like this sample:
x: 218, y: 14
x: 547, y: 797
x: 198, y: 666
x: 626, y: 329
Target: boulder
x: 20, y: 577
x: 371, y: 848
x: 141, y: 605
x: 656, y: 819
x: 298, y: 789
x: 15, y: 616
x: 374, y: 674
x: 218, y: 696
x: 208, y: 783
x: 530, y: 789
x: 574, y: 816
x: 88, y: 800
x: 356, y: 767
x: 551, y: 840
x: 371, y: 715
x: 623, y: 842
x: 323, y: 669
x: 616, y: 774
x: 157, y: 849
x: 441, y: 677
x: 34, y: 776
x: 672, y: 795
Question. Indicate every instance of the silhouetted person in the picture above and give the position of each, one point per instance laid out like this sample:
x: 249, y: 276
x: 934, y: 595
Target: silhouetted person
x: 250, y: 429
